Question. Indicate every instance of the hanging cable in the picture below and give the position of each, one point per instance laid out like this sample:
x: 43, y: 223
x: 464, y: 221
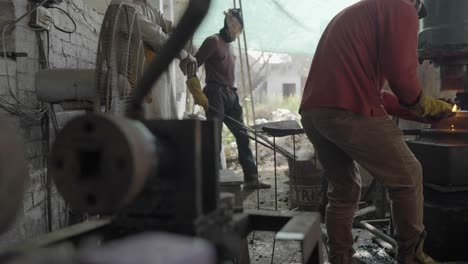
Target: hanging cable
x: 18, y: 108
x: 69, y: 16
x: 48, y: 49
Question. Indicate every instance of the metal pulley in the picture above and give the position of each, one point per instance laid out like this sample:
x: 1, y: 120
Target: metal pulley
x: 13, y: 174
x: 100, y: 162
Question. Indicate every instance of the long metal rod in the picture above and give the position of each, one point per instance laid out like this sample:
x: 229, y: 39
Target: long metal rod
x: 256, y: 164
x: 48, y: 179
x: 276, y: 181
x: 241, y: 61
x: 273, y: 250
x: 295, y: 172
x: 232, y: 119
x: 247, y: 113
x: 190, y: 21
x: 286, y: 154
x: 248, y: 68
x: 378, y: 233
x: 268, y: 145
x: 378, y: 221
x: 258, y: 141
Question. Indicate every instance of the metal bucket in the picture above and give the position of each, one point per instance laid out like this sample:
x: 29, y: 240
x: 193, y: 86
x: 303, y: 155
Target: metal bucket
x: 305, y: 182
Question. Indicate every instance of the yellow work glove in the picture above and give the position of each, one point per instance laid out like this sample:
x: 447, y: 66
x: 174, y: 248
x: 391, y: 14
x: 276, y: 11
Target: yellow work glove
x: 431, y: 108
x: 194, y: 86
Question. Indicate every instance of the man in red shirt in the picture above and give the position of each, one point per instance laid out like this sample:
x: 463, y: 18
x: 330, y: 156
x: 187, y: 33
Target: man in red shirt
x: 345, y: 115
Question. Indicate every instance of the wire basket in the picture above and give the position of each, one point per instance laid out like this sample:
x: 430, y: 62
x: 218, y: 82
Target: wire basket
x: 306, y: 183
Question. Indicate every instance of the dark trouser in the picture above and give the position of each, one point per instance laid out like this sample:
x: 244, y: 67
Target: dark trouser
x: 226, y: 101
x: 343, y: 138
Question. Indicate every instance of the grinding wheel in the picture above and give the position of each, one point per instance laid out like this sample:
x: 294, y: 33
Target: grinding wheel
x: 13, y: 175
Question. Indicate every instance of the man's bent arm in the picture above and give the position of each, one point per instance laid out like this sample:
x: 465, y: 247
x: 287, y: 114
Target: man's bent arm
x: 206, y: 50
x: 399, y: 44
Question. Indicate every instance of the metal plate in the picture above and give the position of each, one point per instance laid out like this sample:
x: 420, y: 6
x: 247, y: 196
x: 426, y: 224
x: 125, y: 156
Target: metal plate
x: 13, y: 175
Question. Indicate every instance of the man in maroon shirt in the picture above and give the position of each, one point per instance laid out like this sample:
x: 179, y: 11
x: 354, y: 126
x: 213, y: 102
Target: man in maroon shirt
x: 217, y: 56
x: 345, y: 115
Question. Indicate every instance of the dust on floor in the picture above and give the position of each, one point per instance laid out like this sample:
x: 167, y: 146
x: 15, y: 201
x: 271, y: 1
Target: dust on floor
x: 261, y: 244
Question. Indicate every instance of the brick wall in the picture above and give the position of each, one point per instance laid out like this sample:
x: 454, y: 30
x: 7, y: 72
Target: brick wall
x: 76, y: 50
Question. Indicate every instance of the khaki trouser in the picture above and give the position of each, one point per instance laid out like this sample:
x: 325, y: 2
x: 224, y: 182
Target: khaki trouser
x: 343, y: 138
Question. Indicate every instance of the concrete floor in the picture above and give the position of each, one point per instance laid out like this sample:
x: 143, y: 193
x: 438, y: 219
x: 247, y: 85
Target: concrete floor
x: 261, y: 243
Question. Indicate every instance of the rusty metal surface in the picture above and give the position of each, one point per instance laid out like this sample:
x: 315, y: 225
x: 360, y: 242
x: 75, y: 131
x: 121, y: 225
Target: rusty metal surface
x: 13, y: 174
x: 444, y: 29
x: 457, y: 123
x: 443, y: 150
x: 446, y: 225
x: 443, y: 51
x: 443, y: 163
x: 100, y: 163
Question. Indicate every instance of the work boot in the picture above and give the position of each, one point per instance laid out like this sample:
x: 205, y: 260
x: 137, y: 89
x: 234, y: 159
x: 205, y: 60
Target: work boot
x: 253, y: 185
x: 421, y: 257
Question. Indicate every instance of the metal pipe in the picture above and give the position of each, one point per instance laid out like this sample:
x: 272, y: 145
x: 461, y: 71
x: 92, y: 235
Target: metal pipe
x: 48, y: 180
x: 241, y: 61
x: 258, y: 141
x: 269, y: 146
x: 273, y: 250
x: 248, y: 67
x: 276, y: 180
x: 388, y: 248
x: 295, y: 172
x: 378, y: 221
x: 378, y: 233
x: 256, y: 164
x: 283, y: 152
x: 190, y: 21
x: 232, y: 119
